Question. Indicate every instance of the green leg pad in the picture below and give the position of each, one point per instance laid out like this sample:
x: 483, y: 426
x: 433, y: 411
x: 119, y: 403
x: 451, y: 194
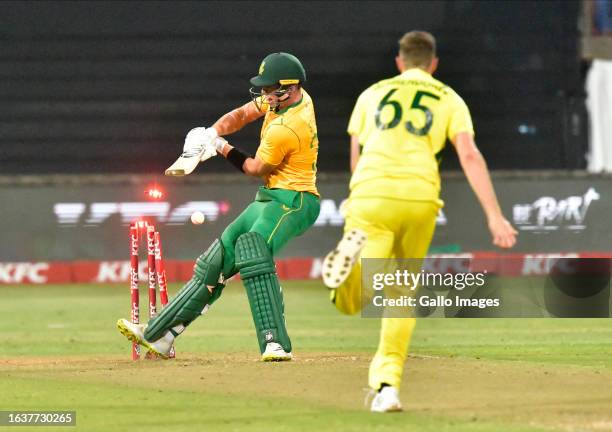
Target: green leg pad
x: 216, y: 293
x: 258, y: 273
x: 193, y: 297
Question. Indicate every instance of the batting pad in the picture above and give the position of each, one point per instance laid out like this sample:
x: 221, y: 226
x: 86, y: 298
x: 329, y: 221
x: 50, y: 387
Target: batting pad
x: 193, y: 297
x: 258, y: 273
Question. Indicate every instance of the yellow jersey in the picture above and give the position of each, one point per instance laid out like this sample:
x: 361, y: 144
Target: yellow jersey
x: 289, y: 141
x: 402, y: 124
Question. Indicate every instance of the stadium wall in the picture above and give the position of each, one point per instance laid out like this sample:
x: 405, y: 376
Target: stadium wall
x: 61, y: 272
x: 67, y: 219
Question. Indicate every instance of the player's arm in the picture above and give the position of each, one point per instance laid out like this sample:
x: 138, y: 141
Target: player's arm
x: 200, y: 142
x: 355, y: 151
x: 236, y: 119
x: 477, y: 173
x: 252, y: 166
x: 356, y: 127
x: 270, y: 153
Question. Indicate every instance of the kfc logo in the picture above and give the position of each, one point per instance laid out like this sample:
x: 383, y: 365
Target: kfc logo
x: 14, y: 273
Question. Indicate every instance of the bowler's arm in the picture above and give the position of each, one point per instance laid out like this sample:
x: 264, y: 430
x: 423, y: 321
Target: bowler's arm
x: 477, y: 173
x: 355, y: 151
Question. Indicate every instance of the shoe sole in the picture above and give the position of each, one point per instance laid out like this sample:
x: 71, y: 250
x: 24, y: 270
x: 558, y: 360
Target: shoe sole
x: 338, y: 264
x: 125, y: 331
x: 390, y: 410
x: 275, y: 359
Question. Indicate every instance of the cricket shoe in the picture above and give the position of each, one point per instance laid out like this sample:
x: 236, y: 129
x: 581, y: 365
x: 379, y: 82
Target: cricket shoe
x: 338, y: 264
x: 386, y: 400
x: 275, y: 352
x: 135, y: 333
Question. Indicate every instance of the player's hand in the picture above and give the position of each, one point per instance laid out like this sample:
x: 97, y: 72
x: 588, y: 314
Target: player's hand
x: 219, y: 143
x: 200, y: 139
x: 503, y: 233
x: 213, y: 148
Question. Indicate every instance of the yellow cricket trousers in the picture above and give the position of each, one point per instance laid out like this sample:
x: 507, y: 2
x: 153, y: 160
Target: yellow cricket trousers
x: 395, y: 229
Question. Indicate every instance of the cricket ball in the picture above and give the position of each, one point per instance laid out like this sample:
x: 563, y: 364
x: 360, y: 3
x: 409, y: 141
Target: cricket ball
x: 197, y: 218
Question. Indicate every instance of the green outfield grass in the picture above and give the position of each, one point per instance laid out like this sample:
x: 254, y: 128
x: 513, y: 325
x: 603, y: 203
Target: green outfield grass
x: 59, y: 350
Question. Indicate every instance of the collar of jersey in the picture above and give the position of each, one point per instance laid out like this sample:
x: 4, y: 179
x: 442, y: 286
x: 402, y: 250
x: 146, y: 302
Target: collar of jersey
x: 284, y: 110
x: 415, y: 71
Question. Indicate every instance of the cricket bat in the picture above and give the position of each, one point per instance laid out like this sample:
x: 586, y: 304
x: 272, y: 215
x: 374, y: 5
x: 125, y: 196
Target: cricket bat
x: 187, y: 162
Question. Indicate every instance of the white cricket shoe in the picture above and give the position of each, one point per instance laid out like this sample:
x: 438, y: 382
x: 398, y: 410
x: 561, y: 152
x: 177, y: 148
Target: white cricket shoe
x: 275, y: 352
x: 135, y: 333
x: 386, y: 400
x: 338, y: 264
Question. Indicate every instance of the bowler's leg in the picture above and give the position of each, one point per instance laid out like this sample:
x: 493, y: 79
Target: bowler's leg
x: 363, y: 237
x: 395, y: 333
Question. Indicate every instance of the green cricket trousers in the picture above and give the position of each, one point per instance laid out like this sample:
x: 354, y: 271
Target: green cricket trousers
x: 278, y: 215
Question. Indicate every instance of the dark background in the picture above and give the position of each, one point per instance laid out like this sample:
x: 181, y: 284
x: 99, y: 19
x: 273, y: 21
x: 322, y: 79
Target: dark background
x: 114, y: 87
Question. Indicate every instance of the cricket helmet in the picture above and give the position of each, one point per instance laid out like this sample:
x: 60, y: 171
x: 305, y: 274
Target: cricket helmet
x: 279, y: 69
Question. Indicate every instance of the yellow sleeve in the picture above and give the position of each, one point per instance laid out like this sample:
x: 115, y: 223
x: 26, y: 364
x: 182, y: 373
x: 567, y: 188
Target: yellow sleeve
x: 277, y: 142
x: 460, y: 119
x: 358, y: 117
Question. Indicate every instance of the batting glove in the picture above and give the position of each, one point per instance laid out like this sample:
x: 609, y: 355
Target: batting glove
x: 200, y: 139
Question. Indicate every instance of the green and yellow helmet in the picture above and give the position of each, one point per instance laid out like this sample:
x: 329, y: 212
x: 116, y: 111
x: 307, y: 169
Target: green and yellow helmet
x: 279, y: 69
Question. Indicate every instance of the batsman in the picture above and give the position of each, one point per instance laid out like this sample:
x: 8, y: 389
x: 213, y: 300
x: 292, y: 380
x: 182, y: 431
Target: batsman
x: 284, y: 208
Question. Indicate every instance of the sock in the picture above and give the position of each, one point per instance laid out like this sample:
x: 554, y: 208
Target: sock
x: 382, y: 386
x: 176, y: 330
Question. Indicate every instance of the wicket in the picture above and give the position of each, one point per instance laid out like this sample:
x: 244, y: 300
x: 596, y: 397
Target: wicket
x: 156, y: 276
